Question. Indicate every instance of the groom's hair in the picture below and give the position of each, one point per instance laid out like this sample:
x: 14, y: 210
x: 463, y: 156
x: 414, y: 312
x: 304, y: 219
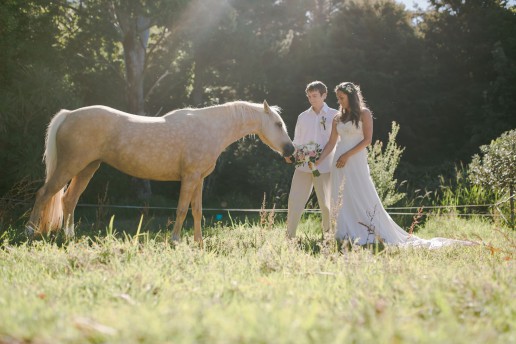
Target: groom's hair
x: 316, y: 86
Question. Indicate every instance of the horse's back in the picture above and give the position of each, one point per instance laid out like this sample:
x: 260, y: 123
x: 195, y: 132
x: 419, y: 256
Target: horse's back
x: 102, y: 119
x: 159, y: 148
x: 101, y: 112
x: 145, y: 147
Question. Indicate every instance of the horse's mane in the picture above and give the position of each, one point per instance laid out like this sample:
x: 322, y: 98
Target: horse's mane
x: 234, y: 108
x: 247, y: 108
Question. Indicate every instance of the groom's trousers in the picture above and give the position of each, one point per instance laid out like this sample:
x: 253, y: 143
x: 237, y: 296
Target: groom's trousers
x: 300, y: 190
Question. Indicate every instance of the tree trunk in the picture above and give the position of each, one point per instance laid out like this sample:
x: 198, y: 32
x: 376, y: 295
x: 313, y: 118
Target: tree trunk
x: 511, y: 201
x: 197, y: 94
x: 135, y: 31
x: 135, y: 47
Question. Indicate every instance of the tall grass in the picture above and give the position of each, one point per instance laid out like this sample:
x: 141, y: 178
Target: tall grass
x: 454, y: 195
x: 250, y: 284
x: 457, y: 192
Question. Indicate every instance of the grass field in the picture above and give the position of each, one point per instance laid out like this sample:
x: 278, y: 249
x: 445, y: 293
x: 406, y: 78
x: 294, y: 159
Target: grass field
x: 250, y: 285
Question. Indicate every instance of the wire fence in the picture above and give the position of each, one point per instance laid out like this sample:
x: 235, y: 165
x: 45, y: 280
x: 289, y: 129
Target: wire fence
x: 282, y: 210
x: 402, y: 211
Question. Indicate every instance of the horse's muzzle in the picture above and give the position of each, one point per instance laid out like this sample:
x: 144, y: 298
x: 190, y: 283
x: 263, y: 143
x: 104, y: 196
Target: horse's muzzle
x: 288, y: 150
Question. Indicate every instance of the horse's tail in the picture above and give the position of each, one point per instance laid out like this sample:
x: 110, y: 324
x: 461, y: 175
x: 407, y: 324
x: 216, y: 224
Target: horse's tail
x: 52, y: 215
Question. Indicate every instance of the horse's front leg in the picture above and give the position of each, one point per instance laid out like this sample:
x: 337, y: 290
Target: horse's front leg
x: 197, y: 212
x: 32, y: 226
x: 47, y: 212
x: 188, y: 186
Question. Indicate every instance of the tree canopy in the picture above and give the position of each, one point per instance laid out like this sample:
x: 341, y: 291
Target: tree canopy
x: 447, y: 75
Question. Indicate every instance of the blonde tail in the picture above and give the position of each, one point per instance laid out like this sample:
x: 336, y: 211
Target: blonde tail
x: 52, y: 215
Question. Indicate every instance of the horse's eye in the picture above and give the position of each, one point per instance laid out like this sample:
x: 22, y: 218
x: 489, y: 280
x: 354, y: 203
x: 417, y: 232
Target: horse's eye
x: 279, y: 124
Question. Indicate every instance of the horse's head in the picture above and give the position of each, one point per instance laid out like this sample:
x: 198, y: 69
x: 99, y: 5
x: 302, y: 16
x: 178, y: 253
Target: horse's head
x: 273, y: 131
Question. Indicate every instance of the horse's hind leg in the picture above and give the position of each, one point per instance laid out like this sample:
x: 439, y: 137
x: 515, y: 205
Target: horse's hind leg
x: 188, y: 186
x: 73, y: 192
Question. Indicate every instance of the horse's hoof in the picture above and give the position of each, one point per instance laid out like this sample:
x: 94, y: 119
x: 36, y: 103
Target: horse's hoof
x: 199, y: 242
x: 30, y: 231
x: 69, y: 234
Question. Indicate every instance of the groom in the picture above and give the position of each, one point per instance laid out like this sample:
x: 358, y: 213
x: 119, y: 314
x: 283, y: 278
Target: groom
x: 313, y: 125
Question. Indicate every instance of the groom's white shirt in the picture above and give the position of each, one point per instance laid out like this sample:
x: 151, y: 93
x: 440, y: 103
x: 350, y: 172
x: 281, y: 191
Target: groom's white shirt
x: 309, y: 127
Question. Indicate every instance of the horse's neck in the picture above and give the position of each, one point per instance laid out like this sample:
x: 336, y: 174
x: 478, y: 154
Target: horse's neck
x: 241, y: 122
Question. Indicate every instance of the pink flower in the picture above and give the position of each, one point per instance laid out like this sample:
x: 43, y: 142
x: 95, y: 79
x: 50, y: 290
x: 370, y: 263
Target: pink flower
x: 307, y: 155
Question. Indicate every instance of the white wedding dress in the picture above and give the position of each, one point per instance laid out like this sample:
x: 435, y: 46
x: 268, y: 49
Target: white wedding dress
x: 356, y: 209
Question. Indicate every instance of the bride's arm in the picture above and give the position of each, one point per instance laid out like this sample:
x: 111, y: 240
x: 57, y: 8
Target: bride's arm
x: 367, y: 128
x: 334, y: 136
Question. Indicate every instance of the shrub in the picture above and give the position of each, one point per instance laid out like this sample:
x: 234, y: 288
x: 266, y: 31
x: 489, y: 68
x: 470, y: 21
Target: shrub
x: 383, y: 164
x: 497, y: 166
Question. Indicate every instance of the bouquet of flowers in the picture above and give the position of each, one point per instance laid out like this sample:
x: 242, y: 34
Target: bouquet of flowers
x: 308, y: 154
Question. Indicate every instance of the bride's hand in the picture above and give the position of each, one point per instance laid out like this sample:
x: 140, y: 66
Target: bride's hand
x: 341, y: 161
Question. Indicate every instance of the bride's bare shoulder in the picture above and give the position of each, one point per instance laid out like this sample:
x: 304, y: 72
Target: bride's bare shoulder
x: 365, y: 113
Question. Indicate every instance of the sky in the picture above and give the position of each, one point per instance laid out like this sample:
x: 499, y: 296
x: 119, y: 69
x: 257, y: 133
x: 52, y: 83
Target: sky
x: 424, y: 3
x: 410, y: 3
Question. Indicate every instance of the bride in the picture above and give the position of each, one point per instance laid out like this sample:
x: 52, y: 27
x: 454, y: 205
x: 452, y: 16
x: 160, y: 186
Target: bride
x: 356, y: 208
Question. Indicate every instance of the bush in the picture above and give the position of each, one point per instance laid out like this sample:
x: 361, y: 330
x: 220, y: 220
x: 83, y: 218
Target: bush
x: 497, y: 167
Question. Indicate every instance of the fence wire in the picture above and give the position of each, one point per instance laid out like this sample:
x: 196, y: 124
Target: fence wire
x: 390, y: 210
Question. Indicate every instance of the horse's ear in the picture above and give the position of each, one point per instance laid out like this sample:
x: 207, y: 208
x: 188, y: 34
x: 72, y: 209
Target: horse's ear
x: 266, y: 107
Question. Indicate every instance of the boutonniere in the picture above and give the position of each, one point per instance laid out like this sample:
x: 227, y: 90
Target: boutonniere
x: 323, y: 122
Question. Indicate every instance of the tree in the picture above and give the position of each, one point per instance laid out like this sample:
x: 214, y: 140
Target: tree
x: 469, y: 68
x: 32, y: 86
x: 376, y: 45
x: 129, y: 23
x: 497, y: 166
x: 448, y: 78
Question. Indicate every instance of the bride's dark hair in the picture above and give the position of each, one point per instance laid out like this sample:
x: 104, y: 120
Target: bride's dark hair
x: 356, y: 102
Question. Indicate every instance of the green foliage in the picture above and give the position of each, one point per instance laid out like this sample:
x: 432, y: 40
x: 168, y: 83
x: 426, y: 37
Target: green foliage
x: 454, y: 193
x: 469, y: 61
x: 138, y: 289
x: 250, y: 169
x: 446, y: 75
x: 33, y: 87
x: 496, y: 168
x: 382, y: 166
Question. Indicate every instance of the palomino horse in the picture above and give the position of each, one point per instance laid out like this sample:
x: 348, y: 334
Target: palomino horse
x: 183, y: 145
